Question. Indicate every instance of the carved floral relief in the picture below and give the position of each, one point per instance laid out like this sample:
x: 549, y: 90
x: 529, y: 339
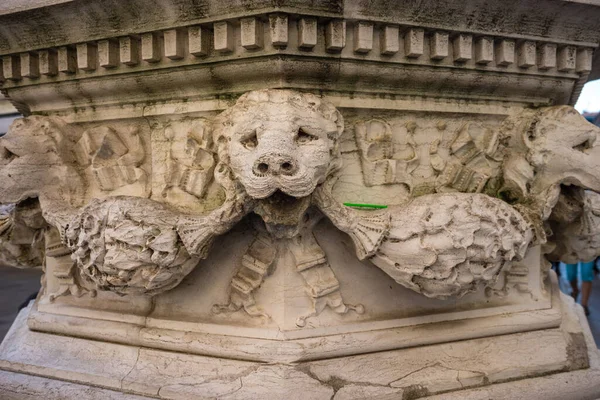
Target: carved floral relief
x: 276, y: 154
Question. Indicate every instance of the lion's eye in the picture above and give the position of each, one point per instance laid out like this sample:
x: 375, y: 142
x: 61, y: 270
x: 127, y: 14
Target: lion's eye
x: 304, y: 137
x: 586, y: 145
x: 250, y: 141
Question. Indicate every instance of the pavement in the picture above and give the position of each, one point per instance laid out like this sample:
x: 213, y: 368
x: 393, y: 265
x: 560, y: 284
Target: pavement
x: 16, y: 285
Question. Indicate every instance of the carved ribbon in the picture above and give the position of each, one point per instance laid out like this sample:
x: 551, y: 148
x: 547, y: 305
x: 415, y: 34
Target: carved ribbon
x: 310, y: 262
x: 321, y: 284
x: 256, y: 266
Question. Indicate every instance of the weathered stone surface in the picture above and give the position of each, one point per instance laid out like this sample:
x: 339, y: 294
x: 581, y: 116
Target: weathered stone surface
x: 274, y: 175
x: 15, y: 386
x: 575, y: 225
x: 21, y: 235
x: 278, y: 154
x: 498, y: 74
x: 258, y: 200
x: 424, y: 370
x: 367, y: 392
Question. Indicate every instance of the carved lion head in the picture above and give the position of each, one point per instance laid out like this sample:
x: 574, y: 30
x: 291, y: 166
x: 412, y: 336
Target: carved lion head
x: 38, y: 135
x: 279, y: 140
x: 553, y: 156
x: 36, y: 159
x: 552, y: 146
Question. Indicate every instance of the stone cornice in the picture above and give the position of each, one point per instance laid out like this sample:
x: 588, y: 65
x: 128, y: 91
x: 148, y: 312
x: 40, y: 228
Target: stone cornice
x: 299, y: 35
x: 56, y: 23
x: 286, y: 48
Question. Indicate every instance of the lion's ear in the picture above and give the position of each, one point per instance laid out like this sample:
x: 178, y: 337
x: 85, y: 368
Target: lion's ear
x: 517, y: 175
x: 558, y: 112
x: 339, y: 121
x: 332, y: 114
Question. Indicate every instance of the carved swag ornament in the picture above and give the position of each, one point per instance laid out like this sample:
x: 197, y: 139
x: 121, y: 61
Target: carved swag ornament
x: 276, y: 154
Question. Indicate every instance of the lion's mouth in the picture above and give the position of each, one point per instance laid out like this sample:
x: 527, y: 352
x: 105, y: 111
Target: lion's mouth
x: 282, y: 209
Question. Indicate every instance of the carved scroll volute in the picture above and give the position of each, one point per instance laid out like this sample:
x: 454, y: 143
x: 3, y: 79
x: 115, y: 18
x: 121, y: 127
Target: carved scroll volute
x: 387, y: 156
x: 113, y: 160
x: 472, y: 160
x: 191, y: 161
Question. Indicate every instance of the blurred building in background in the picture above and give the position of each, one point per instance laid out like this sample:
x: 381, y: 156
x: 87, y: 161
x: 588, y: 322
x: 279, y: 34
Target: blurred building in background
x: 593, y: 117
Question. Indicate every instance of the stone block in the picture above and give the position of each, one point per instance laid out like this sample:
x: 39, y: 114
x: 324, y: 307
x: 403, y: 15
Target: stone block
x: 108, y: 53
x: 87, y: 56
x: 526, y: 54
x: 252, y: 33
x: 278, y: 28
x: 335, y: 35
x: 48, y: 62
x: 151, y: 47
x: 223, y: 37
x: 390, y: 40
x: 129, y: 50
x: 439, y: 45
x: 307, y: 33
x: 484, y: 50
x: 30, y: 65
x: 413, y: 42
x: 363, y: 37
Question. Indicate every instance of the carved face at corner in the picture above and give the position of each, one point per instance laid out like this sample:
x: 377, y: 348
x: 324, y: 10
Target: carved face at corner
x: 37, y: 135
x: 36, y: 160
x: 554, y: 155
x: 279, y: 140
x: 560, y: 146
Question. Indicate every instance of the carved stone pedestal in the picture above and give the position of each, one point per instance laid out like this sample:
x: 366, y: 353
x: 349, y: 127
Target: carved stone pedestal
x: 75, y: 367
x: 300, y: 201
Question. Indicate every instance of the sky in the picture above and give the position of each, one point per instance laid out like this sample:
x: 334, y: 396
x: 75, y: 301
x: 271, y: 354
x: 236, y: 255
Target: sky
x: 589, y: 99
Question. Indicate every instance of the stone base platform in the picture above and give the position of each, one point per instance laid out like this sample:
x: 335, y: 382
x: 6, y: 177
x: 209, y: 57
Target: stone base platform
x: 558, y: 363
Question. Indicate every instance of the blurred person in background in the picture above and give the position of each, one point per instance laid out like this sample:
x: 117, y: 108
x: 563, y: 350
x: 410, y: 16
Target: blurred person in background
x: 586, y: 270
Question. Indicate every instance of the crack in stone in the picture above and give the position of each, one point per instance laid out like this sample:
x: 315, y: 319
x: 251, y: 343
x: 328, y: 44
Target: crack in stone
x: 139, y: 350
x: 194, y: 385
x: 334, y: 382
x: 437, y: 364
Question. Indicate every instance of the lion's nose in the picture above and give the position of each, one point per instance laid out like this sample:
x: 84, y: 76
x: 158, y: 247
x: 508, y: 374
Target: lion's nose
x: 276, y: 164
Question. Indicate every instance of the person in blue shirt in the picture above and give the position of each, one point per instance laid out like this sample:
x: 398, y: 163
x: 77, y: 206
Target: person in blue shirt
x: 587, y: 276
